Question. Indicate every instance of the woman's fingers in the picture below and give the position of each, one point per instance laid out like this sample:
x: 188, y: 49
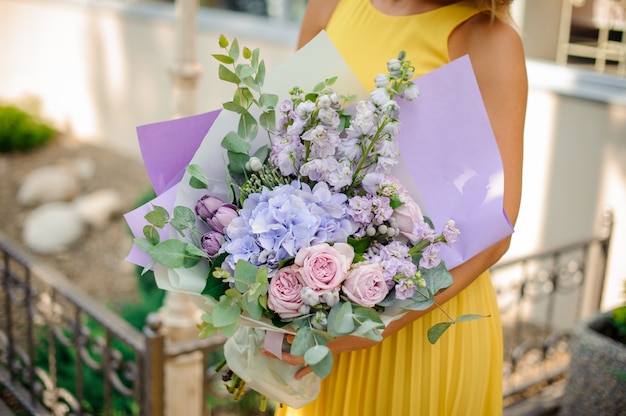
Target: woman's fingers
x: 303, y: 372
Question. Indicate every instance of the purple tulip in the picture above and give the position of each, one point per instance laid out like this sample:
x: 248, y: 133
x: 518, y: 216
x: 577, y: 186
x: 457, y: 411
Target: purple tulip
x: 211, y: 243
x: 207, y: 205
x: 222, y: 217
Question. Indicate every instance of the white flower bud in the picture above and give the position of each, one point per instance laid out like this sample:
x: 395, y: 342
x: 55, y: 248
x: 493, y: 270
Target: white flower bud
x: 331, y: 298
x: 254, y: 164
x: 319, y: 321
x: 382, y: 229
x: 411, y: 92
x: 304, y: 309
x: 309, y: 296
x: 370, y: 231
x: 381, y: 80
x: 394, y: 65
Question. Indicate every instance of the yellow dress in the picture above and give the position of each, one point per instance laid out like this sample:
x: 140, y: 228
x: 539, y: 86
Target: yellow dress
x: 405, y: 375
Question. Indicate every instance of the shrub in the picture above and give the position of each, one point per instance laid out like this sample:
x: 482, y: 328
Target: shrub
x: 21, y: 131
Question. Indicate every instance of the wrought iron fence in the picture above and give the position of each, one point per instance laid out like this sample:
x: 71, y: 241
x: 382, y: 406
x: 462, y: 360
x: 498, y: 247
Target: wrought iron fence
x: 47, y: 326
x: 541, y: 297
x: 61, y: 352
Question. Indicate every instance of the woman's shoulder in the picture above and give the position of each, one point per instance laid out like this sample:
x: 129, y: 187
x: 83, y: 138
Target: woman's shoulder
x: 317, y: 15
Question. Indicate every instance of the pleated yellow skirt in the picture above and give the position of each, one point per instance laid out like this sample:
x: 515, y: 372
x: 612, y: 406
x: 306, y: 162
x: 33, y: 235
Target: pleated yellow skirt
x: 405, y: 375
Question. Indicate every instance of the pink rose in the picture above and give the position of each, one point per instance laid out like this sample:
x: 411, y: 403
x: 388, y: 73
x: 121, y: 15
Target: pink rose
x: 408, y: 214
x: 324, y: 267
x: 283, y: 295
x: 365, y: 284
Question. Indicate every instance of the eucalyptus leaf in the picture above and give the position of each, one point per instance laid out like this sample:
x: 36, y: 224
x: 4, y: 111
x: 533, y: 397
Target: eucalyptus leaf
x: 185, y: 215
x: 234, y: 143
x: 252, y: 84
x: 143, y: 244
x: 237, y: 162
x: 170, y: 253
x: 225, y: 59
x: 248, y: 126
x: 302, y: 341
x: 316, y: 354
x: 253, y: 308
x: 245, y: 275
x: 190, y: 261
x: 158, y: 216
x: 254, y: 59
x: 470, y: 317
x: 244, y: 71
x: 260, y: 75
x: 437, y: 330
x: 223, y: 41
x: 262, y: 153
x: 371, y: 330
x: 268, y: 101
x: 363, y: 314
x: 151, y: 234
x: 226, y: 312
x: 198, y: 174
x: 234, y: 107
x: 229, y: 330
x: 243, y: 97
x: 227, y: 75
x: 268, y: 120
x: 341, y: 320
x: 234, y: 49
x: 324, y: 366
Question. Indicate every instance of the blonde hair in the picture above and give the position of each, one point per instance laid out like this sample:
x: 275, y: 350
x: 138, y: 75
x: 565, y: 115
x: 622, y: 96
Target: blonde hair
x: 497, y: 8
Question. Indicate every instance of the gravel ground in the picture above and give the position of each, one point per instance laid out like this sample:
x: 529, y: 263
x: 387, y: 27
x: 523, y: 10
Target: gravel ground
x: 96, y: 263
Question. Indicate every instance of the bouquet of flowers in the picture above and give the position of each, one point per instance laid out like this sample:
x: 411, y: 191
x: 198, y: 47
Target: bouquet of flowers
x: 313, y: 233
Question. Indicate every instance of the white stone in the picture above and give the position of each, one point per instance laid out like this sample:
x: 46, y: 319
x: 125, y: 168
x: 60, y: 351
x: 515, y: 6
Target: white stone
x: 52, y: 228
x: 48, y: 184
x: 97, y: 208
x: 85, y: 168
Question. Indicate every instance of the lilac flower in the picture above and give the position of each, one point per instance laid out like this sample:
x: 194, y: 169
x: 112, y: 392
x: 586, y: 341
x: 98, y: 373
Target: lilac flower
x: 323, y: 141
x: 405, y: 289
x: 382, y: 209
x: 360, y: 209
x: 349, y: 149
x: 450, y: 233
x: 430, y: 257
x: 380, y: 96
x: 328, y: 117
x: 423, y: 231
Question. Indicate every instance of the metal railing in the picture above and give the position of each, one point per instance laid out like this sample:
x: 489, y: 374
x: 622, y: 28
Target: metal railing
x: 48, y: 328
x: 541, y: 297
x: 42, y: 314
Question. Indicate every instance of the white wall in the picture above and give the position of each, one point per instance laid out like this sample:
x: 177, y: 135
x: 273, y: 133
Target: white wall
x: 101, y: 69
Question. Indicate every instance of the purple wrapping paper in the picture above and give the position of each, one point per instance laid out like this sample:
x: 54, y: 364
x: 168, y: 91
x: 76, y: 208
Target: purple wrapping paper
x: 450, y: 161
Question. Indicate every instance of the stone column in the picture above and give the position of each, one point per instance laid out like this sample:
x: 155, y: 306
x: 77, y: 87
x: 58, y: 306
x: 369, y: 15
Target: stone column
x: 184, y: 374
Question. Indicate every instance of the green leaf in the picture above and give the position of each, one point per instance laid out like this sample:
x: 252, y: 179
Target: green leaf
x: 234, y: 143
x: 185, y: 215
x: 330, y: 81
x: 226, y: 312
x: 321, y: 337
x: 197, y: 173
x: 170, y: 253
x: 151, y: 234
x: 227, y: 75
x: 252, y: 84
x: 371, y: 330
x: 437, y: 330
x: 234, y: 107
x: 254, y: 60
x: 341, y: 319
x: 215, y: 287
x: 229, y: 330
x: 253, y: 308
x: 268, y: 120
x: 234, y: 49
x: 195, y: 251
x: 302, y: 341
x: 237, y: 162
x: 158, y: 217
x: 470, y: 317
x: 247, y: 53
x: 225, y: 59
x: 260, y: 75
x: 143, y: 244
x: 363, y: 314
x: 318, y: 87
x: 395, y: 203
x: 248, y: 126
x: 262, y: 153
x: 244, y: 71
x: 245, y: 275
x: 324, y: 363
x: 243, y: 97
x: 268, y: 101
x: 316, y: 354
x: 360, y: 245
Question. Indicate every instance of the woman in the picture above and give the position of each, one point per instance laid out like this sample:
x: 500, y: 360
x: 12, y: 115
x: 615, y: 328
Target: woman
x: 404, y: 374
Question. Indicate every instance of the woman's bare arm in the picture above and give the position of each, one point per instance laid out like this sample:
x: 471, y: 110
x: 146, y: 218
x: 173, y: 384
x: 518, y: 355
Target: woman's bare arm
x: 315, y: 18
